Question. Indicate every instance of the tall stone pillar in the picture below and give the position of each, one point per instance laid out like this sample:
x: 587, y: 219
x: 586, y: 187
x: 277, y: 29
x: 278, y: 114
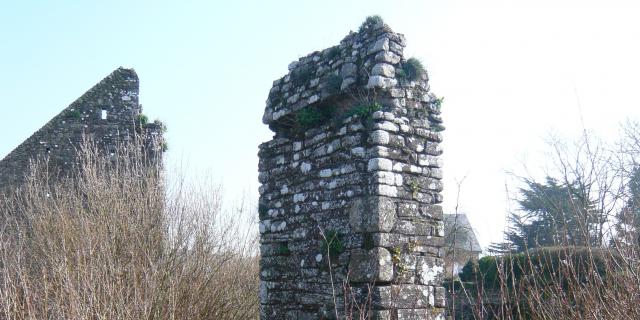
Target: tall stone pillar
x: 350, y: 220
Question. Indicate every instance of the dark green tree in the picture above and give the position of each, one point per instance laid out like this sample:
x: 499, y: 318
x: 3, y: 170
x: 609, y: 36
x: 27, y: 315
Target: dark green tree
x: 628, y: 218
x: 552, y: 213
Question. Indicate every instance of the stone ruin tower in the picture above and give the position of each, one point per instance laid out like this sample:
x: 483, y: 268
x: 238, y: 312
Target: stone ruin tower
x: 109, y: 113
x: 351, y: 185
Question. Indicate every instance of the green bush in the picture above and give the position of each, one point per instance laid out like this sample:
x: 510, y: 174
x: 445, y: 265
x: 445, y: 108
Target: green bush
x: 412, y: 69
x: 370, y: 22
x: 539, y: 264
x: 309, y: 117
x: 142, y: 119
x: 314, y: 116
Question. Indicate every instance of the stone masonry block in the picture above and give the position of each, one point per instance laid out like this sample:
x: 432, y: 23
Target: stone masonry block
x: 370, y: 266
x: 378, y: 81
x: 384, y: 69
x: 372, y: 214
x: 429, y: 270
x: 403, y: 296
x: 413, y: 296
x: 380, y: 164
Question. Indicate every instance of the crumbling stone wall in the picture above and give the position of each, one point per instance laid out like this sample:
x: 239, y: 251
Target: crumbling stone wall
x: 351, y: 185
x: 109, y: 114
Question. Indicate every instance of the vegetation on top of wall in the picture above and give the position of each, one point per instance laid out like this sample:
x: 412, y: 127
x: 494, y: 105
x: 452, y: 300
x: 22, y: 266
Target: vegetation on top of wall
x: 142, y: 119
x: 302, y: 74
x: 370, y: 22
x: 412, y: 69
x: 161, y: 125
x: 332, y: 53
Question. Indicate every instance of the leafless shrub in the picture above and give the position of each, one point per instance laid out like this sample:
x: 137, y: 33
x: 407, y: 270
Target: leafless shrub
x: 598, y: 280
x: 114, y: 242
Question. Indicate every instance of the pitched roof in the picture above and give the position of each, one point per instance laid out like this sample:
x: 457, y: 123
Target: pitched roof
x: 460, y: 233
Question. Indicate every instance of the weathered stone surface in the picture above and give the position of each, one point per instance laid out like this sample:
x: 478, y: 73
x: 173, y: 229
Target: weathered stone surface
x: 348, y: 70
x: 384, y: 69
x: 413, y: 296
x: 372, y: 214
x: 429, y: 271
x: 347, y: 82
x: 403, y: 296
x: 380, y: 164
x: 416, y: 210
x: 381, y: 82
x: 356, y: 194
x: 370, y: 266
x: 414, y: 227
x: 380, y: 45
x: 387, y: 56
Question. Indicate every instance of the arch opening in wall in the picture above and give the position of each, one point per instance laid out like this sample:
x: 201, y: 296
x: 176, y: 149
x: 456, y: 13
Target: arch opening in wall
x: 103, y: 114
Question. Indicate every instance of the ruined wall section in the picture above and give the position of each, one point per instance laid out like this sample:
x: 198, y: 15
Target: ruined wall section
x: 366, y: 177
x: 108, y: 113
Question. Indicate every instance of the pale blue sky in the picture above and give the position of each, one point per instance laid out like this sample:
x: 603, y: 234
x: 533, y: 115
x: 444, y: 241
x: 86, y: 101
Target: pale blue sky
x: 509, y: 73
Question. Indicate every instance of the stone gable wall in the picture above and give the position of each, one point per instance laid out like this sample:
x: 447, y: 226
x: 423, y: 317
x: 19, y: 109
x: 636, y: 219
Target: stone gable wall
x: 370, y: 182
x: 115, y: 97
